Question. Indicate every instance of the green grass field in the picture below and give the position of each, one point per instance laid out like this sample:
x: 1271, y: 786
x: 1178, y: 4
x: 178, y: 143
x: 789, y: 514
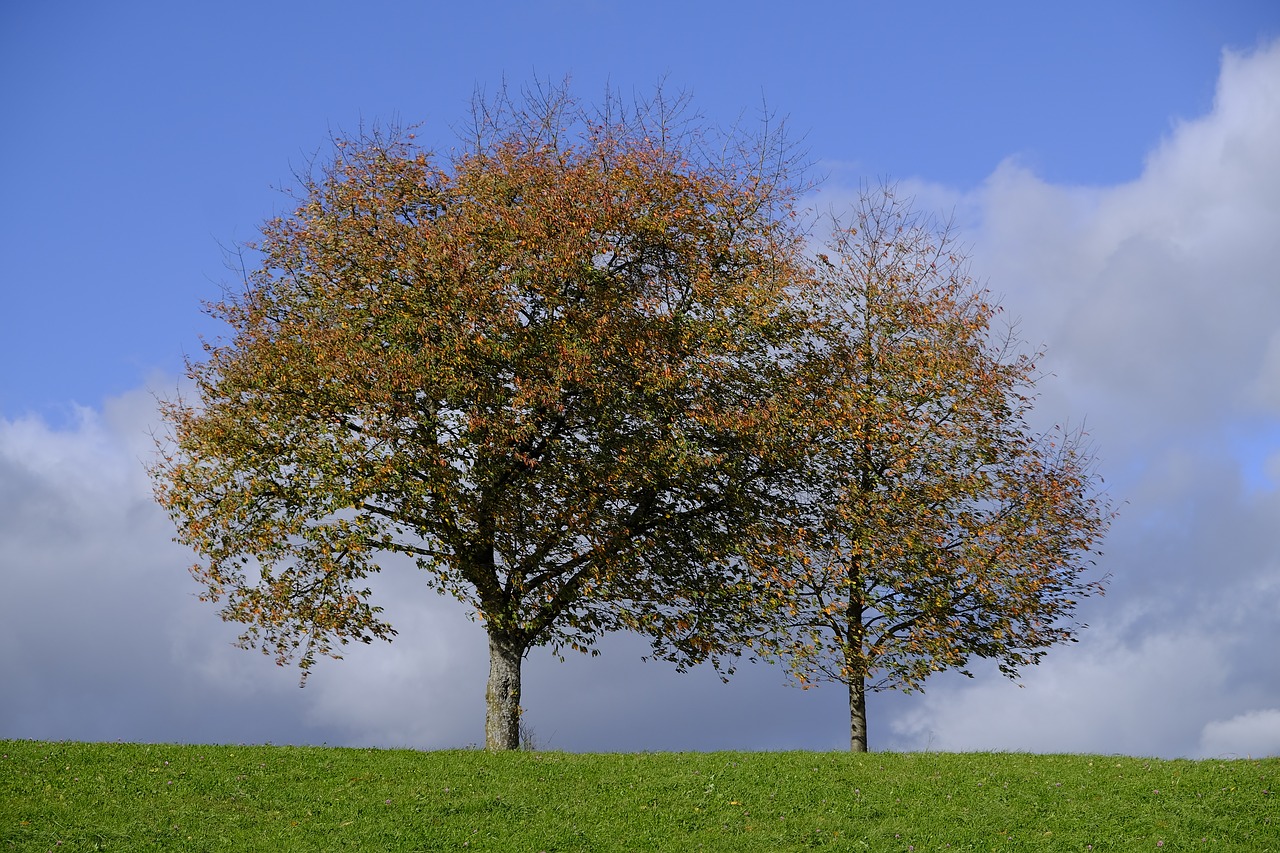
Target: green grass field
x: 136, y: 797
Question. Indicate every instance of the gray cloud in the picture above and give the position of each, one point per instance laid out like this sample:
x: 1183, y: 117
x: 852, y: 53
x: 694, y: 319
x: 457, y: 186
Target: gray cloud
x: 102, y: 638
x: 1246, y: 735
x: 97, y: 619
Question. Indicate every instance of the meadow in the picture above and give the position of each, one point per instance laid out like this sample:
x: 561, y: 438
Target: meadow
x: 65, y: 796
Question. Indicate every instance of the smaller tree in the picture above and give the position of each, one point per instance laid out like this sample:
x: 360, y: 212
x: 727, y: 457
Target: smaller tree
x: 941, y: 526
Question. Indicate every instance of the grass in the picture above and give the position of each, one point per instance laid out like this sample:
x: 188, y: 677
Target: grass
x: 137, y: 797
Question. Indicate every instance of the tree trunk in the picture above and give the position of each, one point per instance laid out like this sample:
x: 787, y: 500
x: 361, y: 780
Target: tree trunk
x: 856, y: 666
x: 502, y: 696
x: 857, y: 714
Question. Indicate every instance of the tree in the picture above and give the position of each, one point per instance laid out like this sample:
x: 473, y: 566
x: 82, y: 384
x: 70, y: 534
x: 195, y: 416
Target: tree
x: 941, y: 527
x: 545, y: 367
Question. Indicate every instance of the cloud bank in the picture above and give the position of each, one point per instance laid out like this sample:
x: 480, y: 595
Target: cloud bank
x: 1159, y: 304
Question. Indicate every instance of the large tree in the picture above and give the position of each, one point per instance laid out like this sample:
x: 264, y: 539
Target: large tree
x: 941, y: 526
x: 547, y: 366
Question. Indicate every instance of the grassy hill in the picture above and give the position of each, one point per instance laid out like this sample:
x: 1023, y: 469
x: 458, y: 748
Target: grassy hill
x: 139, y: 797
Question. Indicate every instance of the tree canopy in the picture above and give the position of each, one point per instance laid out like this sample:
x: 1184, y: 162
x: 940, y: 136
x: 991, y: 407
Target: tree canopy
x: 545, y: 366
x: 586, y: 372
x: 940, y: 526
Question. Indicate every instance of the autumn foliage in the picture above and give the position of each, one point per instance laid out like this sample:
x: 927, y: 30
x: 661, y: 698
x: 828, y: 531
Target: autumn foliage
x: 543, y: 366
x: 583, y: 371
x: 940, y: 527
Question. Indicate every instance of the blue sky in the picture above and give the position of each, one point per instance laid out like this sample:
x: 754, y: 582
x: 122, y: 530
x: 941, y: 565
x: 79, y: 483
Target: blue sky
x: 144, y: 135
x: 1115, y: 168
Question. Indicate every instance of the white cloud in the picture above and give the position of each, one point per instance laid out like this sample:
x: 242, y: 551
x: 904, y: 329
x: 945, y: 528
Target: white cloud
x: 1160, y: 306
x: 1254, y: 734
x: 1104, y: 696
x: 1158, y: 297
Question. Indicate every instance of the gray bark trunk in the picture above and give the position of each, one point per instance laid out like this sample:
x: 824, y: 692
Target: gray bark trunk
x: 855, y: 664
x: 502, y: 695
x: 857, y: 714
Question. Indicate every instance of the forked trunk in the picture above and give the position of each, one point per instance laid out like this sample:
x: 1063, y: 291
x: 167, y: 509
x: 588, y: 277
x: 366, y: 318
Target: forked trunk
x: 857, y: 714
x: 502, y: 695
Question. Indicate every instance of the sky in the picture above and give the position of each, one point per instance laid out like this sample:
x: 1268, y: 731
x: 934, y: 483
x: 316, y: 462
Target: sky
x: 1114, y: 170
